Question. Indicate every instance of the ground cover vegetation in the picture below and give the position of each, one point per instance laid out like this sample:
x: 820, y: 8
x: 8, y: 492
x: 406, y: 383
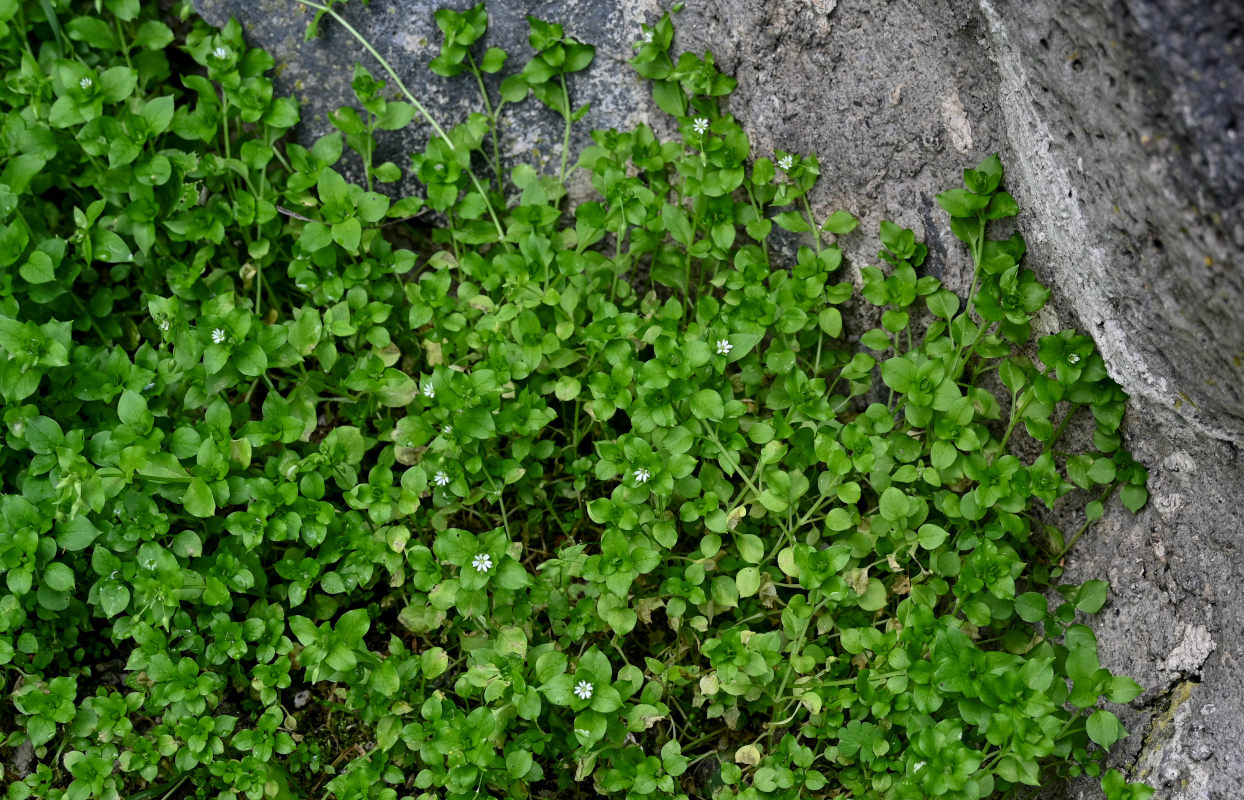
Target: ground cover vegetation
x: 302, y: 498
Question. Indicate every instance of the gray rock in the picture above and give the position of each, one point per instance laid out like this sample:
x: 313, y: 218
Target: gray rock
x: 1118, y: 122
x: 23, y: 758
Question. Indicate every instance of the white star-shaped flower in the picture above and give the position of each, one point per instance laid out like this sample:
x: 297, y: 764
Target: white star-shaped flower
x: 440, y: 479
x: 482, y: 562
x: 647, y: 37
x: 786, y: 162
x: 642, y: 475
x: 700, y: 125
x: 428, y: 390
x: 1074, y: 358
x: 221, y: 52
x: 86, y: 83
x: 218, y: 336
x: 448, y: 429
x: 583, y: 690
x: 724, y: 347
x: 164, y: 325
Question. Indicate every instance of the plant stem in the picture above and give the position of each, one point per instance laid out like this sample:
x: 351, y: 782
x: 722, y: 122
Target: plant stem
x: 414, y: 101
x: 566, y: 133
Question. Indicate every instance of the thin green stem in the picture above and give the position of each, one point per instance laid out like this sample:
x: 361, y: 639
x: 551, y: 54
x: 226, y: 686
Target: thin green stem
x: 492, y: 117
x: 977, y: 247
x: 1058, y: 432
x: 1080, y: 532
x: 795, y: 650
x: 733, y: 464
x: 565, y: 134
x: 122, y: 39
x: 414, y: 101
x: 816, y: 234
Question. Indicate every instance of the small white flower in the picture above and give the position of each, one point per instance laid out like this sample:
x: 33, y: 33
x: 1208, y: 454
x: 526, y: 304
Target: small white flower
x: 440, y: 167
x: 724, y: 347
x: 642, y: 475
x: 700, y: 125
x: 583, y: 690
x: 164, y: 325
x: 221, y: 52
x: 786, y: 162
x: 647, y: 37
x: 86, y: 83
x: 919, y: 765
x: 482, y: 562
x: 448, y: 429
x: 218, y: 336
x: 149, y: 387
x: 440, y: 479
x: 1074, y: 358
x: 428, y: 390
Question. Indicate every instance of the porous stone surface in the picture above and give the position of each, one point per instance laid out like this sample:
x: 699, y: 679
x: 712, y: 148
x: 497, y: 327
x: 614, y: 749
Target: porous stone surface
x: 1118, y: 123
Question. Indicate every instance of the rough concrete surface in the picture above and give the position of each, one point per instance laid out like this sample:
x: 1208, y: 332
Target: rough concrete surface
x: 1118, y: 122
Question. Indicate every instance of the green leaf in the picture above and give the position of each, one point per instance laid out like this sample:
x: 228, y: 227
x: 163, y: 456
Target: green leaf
x: 1123, y: 689
x: 107, y: 246
x: 117, y: 83
x: 44, y: 435
x: 153, y: 35
x: 114, y: 597
x: 76, y: 534
x: 792, y: 221
x: 1104, y: 728
x: 433, y: 662
x: 385, y: 678
x: 840, y: 222
x: 493, y: 60
x: 1091, y: 596
x: 874, y: 597
x: 518, y: 763
x: 132, y: 408
x: 281, y: 113
x: 198, y: 499
x: 38, y: 268
x: 347, y: 233
x: 1031, y: 607
x: 1134, y: 497
x: 893, y: 504
x: 961, y: 203
x: 748, y: 581
x: 876, y: 339
x: 476, y: 423
x: 1001, y: 205
x: 707, y: 404
x: 353, y: 625
x: 751, y: 548
x: 943, y: 303
x: 332, y: 188
x: 931, y: 536
x: 250, y: 360
x: 315, y: 236
x: 58, y: 577
x: 1102, y: 471
x: 830, y: 321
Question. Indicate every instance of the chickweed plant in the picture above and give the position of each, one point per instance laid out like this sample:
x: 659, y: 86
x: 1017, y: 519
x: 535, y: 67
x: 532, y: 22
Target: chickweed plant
x: 302, y: 498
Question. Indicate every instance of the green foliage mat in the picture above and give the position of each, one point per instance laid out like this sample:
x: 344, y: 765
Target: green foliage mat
x: 300, y: 499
